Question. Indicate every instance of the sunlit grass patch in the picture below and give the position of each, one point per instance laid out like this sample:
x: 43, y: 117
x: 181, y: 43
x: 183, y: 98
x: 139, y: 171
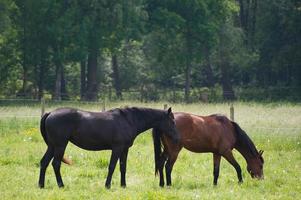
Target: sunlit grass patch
x: 21, y: 148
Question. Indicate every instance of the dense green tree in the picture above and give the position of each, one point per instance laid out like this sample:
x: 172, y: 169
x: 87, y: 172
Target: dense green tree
x: 278, y: 41
x: 84, y: 49
x: 191, y: 27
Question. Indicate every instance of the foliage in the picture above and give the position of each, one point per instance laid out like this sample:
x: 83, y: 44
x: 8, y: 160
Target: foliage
x: 65, y: 48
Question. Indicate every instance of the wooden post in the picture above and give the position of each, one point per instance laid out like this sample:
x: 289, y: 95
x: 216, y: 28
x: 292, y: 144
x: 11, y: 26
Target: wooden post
x: 165, y: 106
x: 232, y: 112
x: 42, y: 106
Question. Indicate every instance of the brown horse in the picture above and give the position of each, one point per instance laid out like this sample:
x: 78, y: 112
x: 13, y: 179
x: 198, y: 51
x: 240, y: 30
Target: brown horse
x: 200, y: 134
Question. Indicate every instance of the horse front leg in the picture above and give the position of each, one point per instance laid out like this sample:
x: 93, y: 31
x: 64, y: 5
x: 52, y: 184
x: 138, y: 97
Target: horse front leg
x: 216, y: 166
x: 122, y: 162
x: 169, y: 166
x: 116, y: 152
x: 230, y: 158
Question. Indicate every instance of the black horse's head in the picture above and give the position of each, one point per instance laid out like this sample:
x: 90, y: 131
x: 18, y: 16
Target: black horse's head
x: 168, y: 126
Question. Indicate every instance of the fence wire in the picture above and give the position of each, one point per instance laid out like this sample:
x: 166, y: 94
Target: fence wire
x: 15, y: 112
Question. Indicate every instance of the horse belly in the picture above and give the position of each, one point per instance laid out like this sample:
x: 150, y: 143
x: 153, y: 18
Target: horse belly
x: 200, y: 144
x: 91, y: 146
x: 91, y: 139
x: 198, y: 148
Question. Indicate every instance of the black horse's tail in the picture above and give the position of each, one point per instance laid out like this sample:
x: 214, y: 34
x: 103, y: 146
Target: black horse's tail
x: 43, y: 133
x: 157, y: 148
x: 43, y: 128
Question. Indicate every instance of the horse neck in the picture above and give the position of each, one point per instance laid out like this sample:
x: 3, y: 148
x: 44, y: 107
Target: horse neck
x: 245, y: 151
x: 146, y: 118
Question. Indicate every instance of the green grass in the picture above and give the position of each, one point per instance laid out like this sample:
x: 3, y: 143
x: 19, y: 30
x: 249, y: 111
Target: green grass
x: 275, y: 128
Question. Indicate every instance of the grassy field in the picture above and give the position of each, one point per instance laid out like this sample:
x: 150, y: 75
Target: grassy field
x: 275, y: 128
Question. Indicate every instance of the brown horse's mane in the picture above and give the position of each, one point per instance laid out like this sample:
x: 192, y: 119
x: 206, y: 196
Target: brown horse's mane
x: 242, y: 139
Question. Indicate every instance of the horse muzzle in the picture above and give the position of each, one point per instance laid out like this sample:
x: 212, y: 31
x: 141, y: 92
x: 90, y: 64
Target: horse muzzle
x: 259, y: 177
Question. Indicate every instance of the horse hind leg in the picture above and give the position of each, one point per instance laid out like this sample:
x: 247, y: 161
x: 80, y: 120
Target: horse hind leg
x: 56, y: 163
x: 44, y: 164
x: 216, y: 167
x: 230, y: 158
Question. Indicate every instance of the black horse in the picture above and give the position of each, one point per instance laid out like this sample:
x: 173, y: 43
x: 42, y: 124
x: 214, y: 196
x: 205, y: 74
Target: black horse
x: 115, y: 129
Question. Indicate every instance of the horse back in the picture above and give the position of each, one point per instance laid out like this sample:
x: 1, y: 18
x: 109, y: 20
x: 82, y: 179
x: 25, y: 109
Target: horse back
x: 205, y: 133
x: 88, y: 130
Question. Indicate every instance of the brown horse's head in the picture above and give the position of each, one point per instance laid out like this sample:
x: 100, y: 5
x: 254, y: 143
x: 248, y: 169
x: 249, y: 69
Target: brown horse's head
x: 255, y: 166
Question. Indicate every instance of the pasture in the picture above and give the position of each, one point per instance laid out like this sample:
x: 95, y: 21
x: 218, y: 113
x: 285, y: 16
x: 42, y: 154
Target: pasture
x: 275, y: 128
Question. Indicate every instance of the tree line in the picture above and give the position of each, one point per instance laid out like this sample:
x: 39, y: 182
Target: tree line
x: 82, y: 49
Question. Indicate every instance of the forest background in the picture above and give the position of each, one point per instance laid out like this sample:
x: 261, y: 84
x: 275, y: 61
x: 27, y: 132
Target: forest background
x: 149, y: 50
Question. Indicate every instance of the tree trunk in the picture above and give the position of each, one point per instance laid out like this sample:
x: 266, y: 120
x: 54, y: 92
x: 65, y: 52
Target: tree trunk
x: 242, y: 14
x: 41, y: 75
x: 188, y: 65
x: 60, y: 91
x: 64, y: 93
x: 91, y: 94
x: 36, y: 78
x: 58, y: 81
x: 247, y: 16
x: 24, y: 48
x: 116, y: 77
x: 24, y: 81
x: 83, y: 79
x: 253, y: 28
x: 208, y: 69
x: 228, y: 92
x: 58, y: 74
x: 187, y: 81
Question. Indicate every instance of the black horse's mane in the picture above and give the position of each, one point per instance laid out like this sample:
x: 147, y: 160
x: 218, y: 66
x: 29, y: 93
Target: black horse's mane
x: 136, y: 110
x: 140, y: 113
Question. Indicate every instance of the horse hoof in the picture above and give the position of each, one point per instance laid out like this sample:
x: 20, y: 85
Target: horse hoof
x: 123, y: 186
x: 61, y: 185
x: 108, y: 187
x: 41, y: 185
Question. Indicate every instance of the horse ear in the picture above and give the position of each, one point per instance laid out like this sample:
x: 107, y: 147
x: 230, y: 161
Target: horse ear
x: 261, y: 152
x: 169, y: 110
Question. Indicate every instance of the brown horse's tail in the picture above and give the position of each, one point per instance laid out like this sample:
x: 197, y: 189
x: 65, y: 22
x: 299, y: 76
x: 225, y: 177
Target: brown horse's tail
x: 43, y: 133
x: 157, y: 148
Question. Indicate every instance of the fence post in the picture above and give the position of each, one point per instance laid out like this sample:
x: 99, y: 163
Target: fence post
x: 232, y: 112
x: 42, y: 106
x: 165, y: 106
